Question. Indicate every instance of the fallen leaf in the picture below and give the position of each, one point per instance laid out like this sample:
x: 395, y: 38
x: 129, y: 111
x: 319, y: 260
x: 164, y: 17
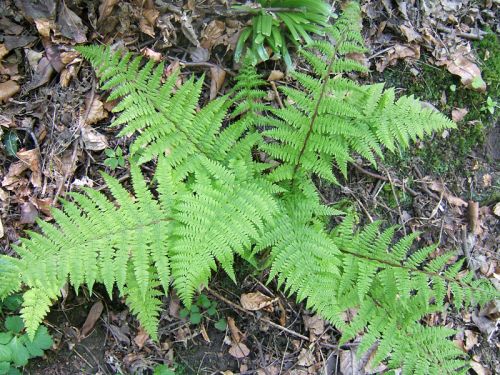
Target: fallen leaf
x: 93, y: 140
x: 397, y: 52
x: 410, y: 33
x: 71, y: 25
x: 13, y: 42
x: 256, y: 301
x: 496, y: 209
x: 306, y: 358
x: 32, y: 159
x: 467, y: 70
x: 119, y: 335
x: 275, y: 75
x: 92, y: 318
x: 1, y: 229
x: 439, y: 187
x: 141, y: 337
x: 199, y: 54
x: 239, y: 350
x: 218, y: 75
x: 96, y: 112
x: 188, y: 30
x: 13, y: 175
x: 148, y: 21
x: 3, y: 51
x: 151, y: 54
x: 212, y: 33
x: 478, y: 368
x: 314, y: 324
x: 105, y: 9
x: 43, y: 73
x: 29, y: 213
x: 204, y: 333
x: 471, y: 339
x: 486, y: 180
x: 8, y: 90
x: 9, y: 27
x: 236, y: 334
x: 458, y: 114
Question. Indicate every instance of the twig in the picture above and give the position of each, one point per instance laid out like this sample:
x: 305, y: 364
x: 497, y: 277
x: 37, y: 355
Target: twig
x: 471, y: 36
x: 396, y: 182
x: 237, y: 307
x: 203, y: 64
x: 277, y: 95
x: 397, y: 201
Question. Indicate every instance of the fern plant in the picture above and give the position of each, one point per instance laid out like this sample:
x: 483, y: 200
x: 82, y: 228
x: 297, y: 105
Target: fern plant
x: 245, y: 188
x: 279, y: 21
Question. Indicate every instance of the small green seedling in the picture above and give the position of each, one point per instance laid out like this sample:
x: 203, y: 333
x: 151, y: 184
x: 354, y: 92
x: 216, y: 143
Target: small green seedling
x: 114, y: 158
x: 163, y: 370
x: 489, y: 106
x: 15, y: 346
x: 203, y: 305
x: 453, y: 88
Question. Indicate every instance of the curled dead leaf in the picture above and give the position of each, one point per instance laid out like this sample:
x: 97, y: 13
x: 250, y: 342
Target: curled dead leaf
x: 236, y: 334
x: 256, y: 301
x: 8, y: 90
x: 276, y: 75
x: 141, y: 337
x: 467, y: 70
x: 218, y: 75
x: 96, y: 112
x: 32, y: 160
x: 151, y: 54
x: 92, y: 318
x: 314, y: 324
x: 239, y: 350
x: 93, y: 140
x: 457, y: 114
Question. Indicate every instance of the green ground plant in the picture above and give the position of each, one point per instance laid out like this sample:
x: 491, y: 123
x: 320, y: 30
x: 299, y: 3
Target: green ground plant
x: 236, y: 179
x: 16, y: 348
x: 278, y: 22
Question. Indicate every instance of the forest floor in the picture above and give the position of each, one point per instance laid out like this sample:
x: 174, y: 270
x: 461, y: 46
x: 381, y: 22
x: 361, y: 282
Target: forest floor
x: 55, y: 139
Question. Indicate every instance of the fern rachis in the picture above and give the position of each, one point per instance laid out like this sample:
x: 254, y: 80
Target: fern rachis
x: 211, y: 201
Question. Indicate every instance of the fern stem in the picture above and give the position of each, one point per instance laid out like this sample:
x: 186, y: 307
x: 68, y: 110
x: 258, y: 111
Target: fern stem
x: 315, y: 113
x: 396, y: 265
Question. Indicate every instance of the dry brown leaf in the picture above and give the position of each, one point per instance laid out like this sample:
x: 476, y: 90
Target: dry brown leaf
x: 43, y: 73
x: 13, y: 175
x: 239, y: 350
x: 218, y: 75
x: 71, y: 26
x: 455, y: 201
x: 141, y: 337
x: 314, y: 324
x: 236, y: 334
x: 211, y: 35
x: 1, y: 229
x: 478, y: 368
x: 467, y: 70
x: 397, y: 52
x: 151, y: 54
x: 457, y: 114
x: 93, y: 140
x: 306, y: 358
x: 496, y: 209
x: 96, y: 112
x: 29, y: 213
x: 148, y: 21
x: 188, y: 30
x: 204, y: 333
x: 276, y: 75
x: 32, y: 159
x: 3, y: 51
x: 8, y: 90
x: 256, y: 301
x: 410, y: 33
x: 471, y: 339
x: 92, y: 318
x: 105, y: 9
x: 174, y: 306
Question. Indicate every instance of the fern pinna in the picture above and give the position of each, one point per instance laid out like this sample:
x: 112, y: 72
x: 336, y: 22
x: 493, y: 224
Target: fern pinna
x: 210, y: 199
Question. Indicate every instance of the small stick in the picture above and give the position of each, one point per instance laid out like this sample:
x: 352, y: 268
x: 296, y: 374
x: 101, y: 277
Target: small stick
x: 277, y: 94
x: 237, y: 307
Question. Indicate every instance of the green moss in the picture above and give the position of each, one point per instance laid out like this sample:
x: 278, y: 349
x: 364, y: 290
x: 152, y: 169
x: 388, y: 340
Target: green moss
x: 437, y: 86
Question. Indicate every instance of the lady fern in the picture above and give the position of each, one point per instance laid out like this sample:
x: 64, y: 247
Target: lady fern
x: 211, y: 199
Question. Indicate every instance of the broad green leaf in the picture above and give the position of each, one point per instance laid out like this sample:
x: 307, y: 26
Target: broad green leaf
x: 221, y: 324
x: 11, y: 143
x: 5, y: 353
x: 14, y: 324
x: 163, y: 370
x: 4, y: 367
x: 13, y: 302
x: 195, y: 318
x: 42, y: 339
x: 5, y: 337
x: 20, y: 354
